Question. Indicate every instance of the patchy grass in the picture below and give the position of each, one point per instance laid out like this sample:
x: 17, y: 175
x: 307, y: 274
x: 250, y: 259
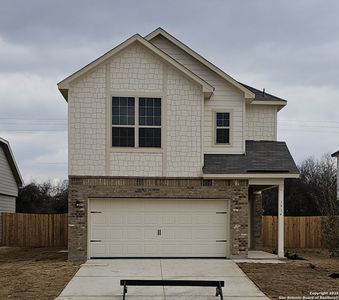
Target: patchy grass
x: 295, y: 277
x: 34, y: 273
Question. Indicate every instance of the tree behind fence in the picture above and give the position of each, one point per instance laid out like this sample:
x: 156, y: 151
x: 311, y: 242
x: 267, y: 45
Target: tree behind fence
x: 300, y: 232
x: 33, y: 230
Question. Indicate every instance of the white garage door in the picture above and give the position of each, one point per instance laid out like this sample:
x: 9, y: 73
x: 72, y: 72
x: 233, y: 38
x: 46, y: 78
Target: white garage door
x: 158, y: 228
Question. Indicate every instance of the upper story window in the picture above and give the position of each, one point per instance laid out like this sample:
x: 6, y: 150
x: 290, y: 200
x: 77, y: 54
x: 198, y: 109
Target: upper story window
x: 222, y: 127
x: 136, y: 122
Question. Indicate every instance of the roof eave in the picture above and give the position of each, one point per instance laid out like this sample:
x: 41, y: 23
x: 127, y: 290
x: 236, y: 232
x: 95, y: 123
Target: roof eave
x: 12, y: 162
x: 279, y: 103
x: 252, y: 175
x: 335, y: 154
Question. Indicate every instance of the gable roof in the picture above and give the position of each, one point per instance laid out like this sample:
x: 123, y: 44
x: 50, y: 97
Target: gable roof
x: 250, y: 92
x: 63, y: 85
x: 159, y: 31
x: 261, y: 157
x: 335, y: 154
x: 11, y: 161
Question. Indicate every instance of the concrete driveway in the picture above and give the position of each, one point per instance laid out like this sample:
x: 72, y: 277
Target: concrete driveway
x: 100, y: 280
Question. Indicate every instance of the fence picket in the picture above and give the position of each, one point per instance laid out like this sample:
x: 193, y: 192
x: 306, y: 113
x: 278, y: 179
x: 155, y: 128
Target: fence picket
x: 33, y: 230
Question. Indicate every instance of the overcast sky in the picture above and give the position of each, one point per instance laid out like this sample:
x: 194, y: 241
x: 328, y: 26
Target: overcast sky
x: 289, y: 47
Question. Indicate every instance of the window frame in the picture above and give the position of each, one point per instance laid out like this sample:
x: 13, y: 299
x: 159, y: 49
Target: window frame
x: 136, y: 125
x: 215, y: 127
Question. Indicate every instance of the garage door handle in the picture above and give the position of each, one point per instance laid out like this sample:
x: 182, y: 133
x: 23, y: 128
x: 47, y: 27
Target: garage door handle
x: 95, y: 241
x: 221, y: 241
x: 95, y: 212
x: 221, y: 212
x: 159, y: 231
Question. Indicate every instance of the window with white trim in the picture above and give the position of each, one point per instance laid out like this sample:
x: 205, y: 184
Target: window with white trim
x: 136, y: 122
x: 222, y: 128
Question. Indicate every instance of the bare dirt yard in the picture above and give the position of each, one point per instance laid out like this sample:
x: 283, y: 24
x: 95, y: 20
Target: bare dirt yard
x: 34, y: 273
x: 296, y: 277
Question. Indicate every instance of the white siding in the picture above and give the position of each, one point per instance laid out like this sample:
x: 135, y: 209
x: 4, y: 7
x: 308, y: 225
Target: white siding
x: 226, y: 97
x: 8, y: 185
x: 261, y: 122
x: 7, y: 203
x: 136, y: 71
x: 136, y: 164
x: 184, y: 112
x: 86, y: 121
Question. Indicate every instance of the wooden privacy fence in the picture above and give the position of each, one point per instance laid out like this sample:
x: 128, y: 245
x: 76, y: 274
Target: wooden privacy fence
x: 33, y: 230
x: 300, y: 232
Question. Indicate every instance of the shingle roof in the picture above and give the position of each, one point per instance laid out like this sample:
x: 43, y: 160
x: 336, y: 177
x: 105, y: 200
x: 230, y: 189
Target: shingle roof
x: 260, y: 95
x: 260, y: 157
x: 335, y: 154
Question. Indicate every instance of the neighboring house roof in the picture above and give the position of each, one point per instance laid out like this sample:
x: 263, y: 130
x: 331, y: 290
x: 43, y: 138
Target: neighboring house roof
x: 248, y: 94
x: 64, y: 84
x: 10, y: 158
x: 335, y: 154
x: 260, y: 157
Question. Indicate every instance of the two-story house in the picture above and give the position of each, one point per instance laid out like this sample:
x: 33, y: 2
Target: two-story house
x: 168, y: 155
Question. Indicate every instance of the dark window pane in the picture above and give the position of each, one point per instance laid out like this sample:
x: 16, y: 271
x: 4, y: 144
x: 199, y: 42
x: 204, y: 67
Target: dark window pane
x: 149, y: 137
x: 223, y: 119
x: 148, y: 109
x: 123, y: 101
x: 223, y: 136
x: 131, y: 120
x: 157, y: 102
x: 115, y: 110
x: 122, y: 137
x: 123, y: 111
x: 115, y: 101
x: 142, y: 120
x: 142, y: 101
x: 123, y: 120
x: 123, y: 108
x: 131, y: 101
x: 157, y: 112
x: 157, y: 121
x: 115, y: 120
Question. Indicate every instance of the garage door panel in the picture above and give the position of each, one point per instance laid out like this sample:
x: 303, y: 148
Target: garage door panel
x: 152, y: 219
x: 98, y: 249
x: 176, y: 233
x: 134, y: 219
x: 98, y: 219
x: 99, y: 234
x: 213, y: 233
x: 129, y: 228
x: 151, y: 233
x: 115, y: 219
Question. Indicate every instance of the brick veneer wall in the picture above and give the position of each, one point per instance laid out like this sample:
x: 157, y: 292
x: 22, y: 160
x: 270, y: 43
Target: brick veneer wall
x: 82, y: 188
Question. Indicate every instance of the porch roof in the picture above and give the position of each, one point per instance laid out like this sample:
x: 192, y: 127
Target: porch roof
x: 260, y: 157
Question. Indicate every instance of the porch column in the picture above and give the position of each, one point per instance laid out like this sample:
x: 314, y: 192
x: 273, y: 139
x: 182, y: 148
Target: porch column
x: 281, y: 220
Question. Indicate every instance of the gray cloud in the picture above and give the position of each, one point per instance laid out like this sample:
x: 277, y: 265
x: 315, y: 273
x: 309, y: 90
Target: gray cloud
x: 290, y: 48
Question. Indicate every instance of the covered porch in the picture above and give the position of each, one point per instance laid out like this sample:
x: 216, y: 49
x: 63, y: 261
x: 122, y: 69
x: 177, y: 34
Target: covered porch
x: 256, y: 187
x: 265, y: 165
